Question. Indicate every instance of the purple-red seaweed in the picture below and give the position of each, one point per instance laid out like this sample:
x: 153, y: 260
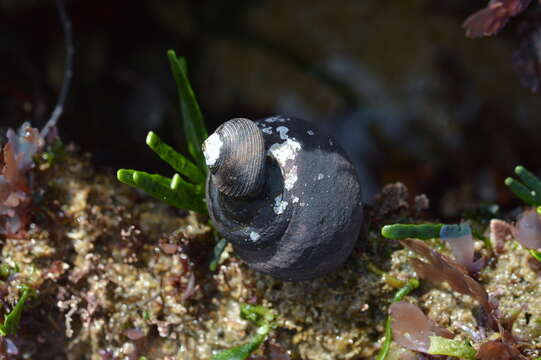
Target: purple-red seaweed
x: 412, y: 328
x: 491, y: 19
x: 16, y: 159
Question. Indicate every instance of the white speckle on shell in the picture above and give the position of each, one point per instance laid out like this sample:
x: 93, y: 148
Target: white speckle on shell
x: 267, y: 130
x: 275, y: 119
x: 310, y: 132
x: 320, y: 176
x: 282, y: 152
x: 279, y: 205
x: 331, y: 142
x: 211, y: 149
x: 295, y: 199
x: 282, y: 130
x: 254, y: 236
x: 290, y: 178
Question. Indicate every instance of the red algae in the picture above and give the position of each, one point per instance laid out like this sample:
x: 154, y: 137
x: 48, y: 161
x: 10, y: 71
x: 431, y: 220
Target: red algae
x: 491, y: 19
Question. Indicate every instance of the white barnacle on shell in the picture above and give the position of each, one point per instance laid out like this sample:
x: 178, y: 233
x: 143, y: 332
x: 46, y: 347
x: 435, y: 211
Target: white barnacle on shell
x: 254, y: 236
x: 310, y: 132
x: 290, y: 177
x: 282, y: 153
x: 279, y: 205
x: 211, y: 149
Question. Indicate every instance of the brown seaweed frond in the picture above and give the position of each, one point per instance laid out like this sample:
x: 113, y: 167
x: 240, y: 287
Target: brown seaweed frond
x: 498, y: 350
x: 412, y: 329
x: 417, y: 327
x: 441, y: 268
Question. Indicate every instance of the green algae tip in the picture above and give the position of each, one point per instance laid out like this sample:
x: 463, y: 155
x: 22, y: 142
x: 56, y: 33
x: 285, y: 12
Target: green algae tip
x: 404, y: 231
x: 126, y: 176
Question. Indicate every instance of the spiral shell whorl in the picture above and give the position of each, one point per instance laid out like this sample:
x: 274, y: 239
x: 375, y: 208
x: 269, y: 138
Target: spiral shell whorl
x: 305, y: 220
x: 235, y: 154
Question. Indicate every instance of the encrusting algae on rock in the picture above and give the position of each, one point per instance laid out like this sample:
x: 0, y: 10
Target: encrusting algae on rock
x: 118, y: 275
x: 122, y: 276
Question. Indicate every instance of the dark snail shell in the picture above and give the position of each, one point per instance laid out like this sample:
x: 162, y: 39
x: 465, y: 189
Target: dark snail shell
x: 299, y: 212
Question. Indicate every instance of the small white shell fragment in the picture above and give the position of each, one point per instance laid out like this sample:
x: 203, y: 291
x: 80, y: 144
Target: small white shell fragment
x: 310, y: 132
x: 295, y: 199
x: 254, y: 236
x: 320, y: 176
x: 211, y: 149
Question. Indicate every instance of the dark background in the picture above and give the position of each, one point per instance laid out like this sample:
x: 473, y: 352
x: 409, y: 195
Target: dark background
x: 395, y: 81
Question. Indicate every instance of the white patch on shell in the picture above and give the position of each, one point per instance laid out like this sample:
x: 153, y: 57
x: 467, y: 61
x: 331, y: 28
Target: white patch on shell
x: 282, y: 152
x: 295, y: 199
x: 331, y: 142
x: 267, y: 130
x: 211, y: 149
x: 282, y: 130
x: 275, y: 119
x: 279, y: 205
x: 320, y: 176
x: 254, y: 236
x: 310, y: 132
x: 290, y: 178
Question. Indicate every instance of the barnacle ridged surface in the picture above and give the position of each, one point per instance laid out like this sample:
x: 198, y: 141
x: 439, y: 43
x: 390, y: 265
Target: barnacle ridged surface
x: 240, y: 165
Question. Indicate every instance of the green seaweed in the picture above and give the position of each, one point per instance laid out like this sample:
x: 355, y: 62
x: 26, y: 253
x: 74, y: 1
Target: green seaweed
x: 192, y: 119
x: 450, y: 347
x: 11, y: 320
x: 411, y: 285
x: 404, y: 231
x: 430, y: 231
x: 185, y: 190
x: 536, y: 254
x: 188, y: 196
x: 389, y: 279
x: 176, y: 160
x: 529, y: 190
x: 217, y: 253
x: 260, y: 316
x: 6, y: 270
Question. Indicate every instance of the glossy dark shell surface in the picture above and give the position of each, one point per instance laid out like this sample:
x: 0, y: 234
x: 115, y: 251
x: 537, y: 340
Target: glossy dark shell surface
x: 306, y: 219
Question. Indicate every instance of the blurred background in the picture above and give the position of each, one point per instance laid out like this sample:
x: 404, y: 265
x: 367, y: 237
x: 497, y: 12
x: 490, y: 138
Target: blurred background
x: 397, y: 82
